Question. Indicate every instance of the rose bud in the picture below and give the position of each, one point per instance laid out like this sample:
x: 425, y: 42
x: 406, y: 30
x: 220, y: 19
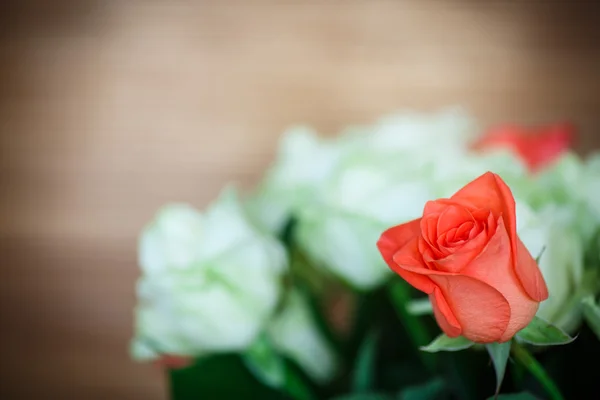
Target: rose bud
x: 464, y: 253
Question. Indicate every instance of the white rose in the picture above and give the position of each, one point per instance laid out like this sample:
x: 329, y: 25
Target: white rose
x: 573, y: 183
x: 591, y: 184
x: 209, y: 281
x: 363, y: 198
x: 550, y: 233
x: 295, y: 334
x: 304, y: 161
x: 416, y: 134
x: 455, y: 171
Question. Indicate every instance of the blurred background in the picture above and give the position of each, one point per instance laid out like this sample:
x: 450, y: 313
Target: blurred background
x: 108, y: 109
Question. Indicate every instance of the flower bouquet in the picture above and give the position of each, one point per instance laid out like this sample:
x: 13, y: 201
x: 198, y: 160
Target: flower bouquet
x: 414, y: 258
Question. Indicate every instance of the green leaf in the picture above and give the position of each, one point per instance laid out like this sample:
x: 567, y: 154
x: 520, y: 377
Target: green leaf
x: 499, y: 353
x: 445, y: 343
x: 264, y: 362
x: 542, y: 333
x: 364, y: 370
x: 515, y: 396
x: 221, y: 376
x: 591, y: 312
x: 427, y: 391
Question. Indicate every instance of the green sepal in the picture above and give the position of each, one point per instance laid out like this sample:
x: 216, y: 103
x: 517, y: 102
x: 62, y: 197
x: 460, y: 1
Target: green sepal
x: 499, y: 352
x: 542, y: 333
x: 445, y: 343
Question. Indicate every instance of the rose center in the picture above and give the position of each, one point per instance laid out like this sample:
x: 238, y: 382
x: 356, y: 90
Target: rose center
x: 455, y: 238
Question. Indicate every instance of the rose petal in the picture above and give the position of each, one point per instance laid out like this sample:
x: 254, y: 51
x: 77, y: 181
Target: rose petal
x: 481, y: 311
x: 403, y: 239
x: 464, y: 230
x: 529, y: 274
x: 413, y: 261
x: 429, y: 229
x: 484, y: 323
x: 446, y: 244
x: 449, y: 236
x: 432, y: 250
x: 443, y: 314
x: 476, y: 230
x: 436, y: 207
x: 397, y: 237
x: 452, y: 217
x: 408, y: 263
x: 494, y: 267
x: 462, y: 257
x: 490, y: 192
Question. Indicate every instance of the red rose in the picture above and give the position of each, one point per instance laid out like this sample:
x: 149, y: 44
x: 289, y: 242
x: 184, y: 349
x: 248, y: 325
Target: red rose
x: 465, y: 254
x: 537, y: 147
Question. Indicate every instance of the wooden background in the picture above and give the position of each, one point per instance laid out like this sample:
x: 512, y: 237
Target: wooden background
x: 108, y: 109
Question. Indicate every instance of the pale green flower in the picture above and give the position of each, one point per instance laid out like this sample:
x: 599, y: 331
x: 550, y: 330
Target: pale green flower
x: 454, y: 171
x: 304, y: 161
x: 591, y: 184
x: 550, y: 235
x: 364, y: 197
x: 573, y: 183
x: 294, y: 333
x: 416, y: 134
x: 209, y: 281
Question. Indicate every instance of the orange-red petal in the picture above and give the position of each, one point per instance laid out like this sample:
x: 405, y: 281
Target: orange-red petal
x: 529, y: 274
x: 437, y: 206
x: 408, y: 263
x: 494, y: 267
x: 462, y: 257
x: 481, y: 311
x: 403, y: 239
x: 452, y: 217
x: 443, y: 314
x: 491, y: 192
x: 396, y: 237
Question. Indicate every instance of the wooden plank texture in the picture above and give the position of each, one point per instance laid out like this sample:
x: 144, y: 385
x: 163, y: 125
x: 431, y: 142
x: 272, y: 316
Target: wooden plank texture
x: 108, y: 109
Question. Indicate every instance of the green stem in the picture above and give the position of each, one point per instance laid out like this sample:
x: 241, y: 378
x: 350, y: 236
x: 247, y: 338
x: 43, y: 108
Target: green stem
x: 297, y: 387
x: 417, y: 331
x: 535, y: 368
x: 518, y: 374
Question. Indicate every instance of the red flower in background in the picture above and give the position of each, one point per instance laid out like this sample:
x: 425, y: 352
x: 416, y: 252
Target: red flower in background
x: 537, y: 146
